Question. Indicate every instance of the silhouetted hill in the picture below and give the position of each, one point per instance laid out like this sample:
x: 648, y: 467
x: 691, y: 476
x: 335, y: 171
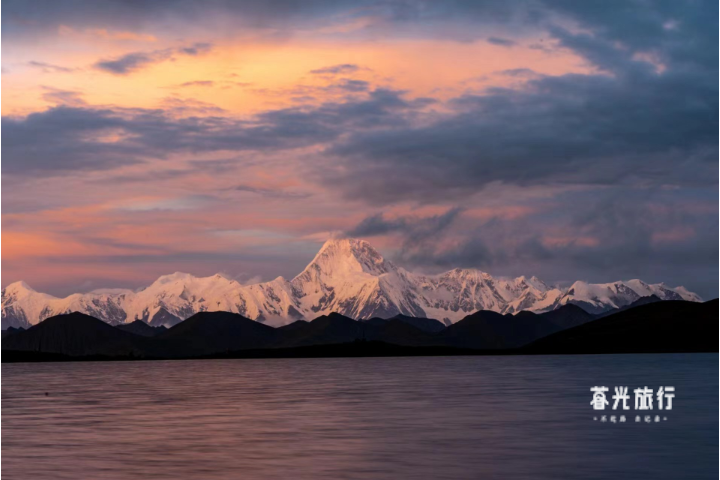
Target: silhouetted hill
x: 399, y: 332
x: 426, y: 324
x: 138, y: 327
x: 375, y: 321
x: 667, y: 326
x: 78, y: 334
x: 11, y: 330
x: 210, y: 332
x: 332, y: 328
x: 490, y: 330
x: 164, y: 319
x: 568, y: 316
x: 336, y: 328
x: 291, y: 327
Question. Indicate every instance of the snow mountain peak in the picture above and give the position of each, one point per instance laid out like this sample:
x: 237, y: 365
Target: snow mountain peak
x: 19, y: 286
x: 347, y: 276
x: 345, y: 256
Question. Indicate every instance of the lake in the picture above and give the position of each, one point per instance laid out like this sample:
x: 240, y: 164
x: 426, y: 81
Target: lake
x: 377, y: 418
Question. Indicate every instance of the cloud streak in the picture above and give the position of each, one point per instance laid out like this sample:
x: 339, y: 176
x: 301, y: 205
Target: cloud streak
x: 336, y: 69
x: 50, y: 68
x: 63, y: 97
x: 134, y: 61
x: 501, y: 42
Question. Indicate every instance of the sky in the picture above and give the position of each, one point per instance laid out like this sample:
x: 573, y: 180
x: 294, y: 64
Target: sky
x: 567, y: 140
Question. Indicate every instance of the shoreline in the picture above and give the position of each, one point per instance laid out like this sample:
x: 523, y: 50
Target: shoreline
x: 358, y: 349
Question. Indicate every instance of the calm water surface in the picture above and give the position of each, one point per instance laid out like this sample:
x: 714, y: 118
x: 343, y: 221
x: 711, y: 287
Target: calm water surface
x: 375, y: 418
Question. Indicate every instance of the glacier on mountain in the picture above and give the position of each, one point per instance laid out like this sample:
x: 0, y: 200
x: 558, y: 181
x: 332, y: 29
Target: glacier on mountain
x: 347, y: 276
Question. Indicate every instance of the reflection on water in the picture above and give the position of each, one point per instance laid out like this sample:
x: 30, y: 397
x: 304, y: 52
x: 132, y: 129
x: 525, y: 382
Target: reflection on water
x: 376, y: 418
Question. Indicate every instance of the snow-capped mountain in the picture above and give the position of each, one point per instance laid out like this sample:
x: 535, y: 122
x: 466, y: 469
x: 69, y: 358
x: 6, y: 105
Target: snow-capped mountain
x: 347, y: 276
x: 600, y: 297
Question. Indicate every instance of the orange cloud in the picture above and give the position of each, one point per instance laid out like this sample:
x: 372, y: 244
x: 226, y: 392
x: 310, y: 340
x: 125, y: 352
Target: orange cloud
x: 17, y: 245
x: 277, y: 71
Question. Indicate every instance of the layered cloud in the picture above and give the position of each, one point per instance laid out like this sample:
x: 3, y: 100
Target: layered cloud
x: 91, y: 138
x: 539, y: 137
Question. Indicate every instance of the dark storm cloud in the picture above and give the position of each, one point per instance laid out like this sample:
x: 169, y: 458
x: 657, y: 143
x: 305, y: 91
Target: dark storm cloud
x: 419, y: 239
x: 680, y: 31
x: 453, y: 20
x: 470, y: 252
x: 134, y: 61
x: 74, y: 138
x: 65, y: 146
x: 43, y: 16
x: 651, y: 116
x: 130, y: 14
x: 379, y: 108
x: 413, y: 228
x: 636, y: 23
x: 581, y: 129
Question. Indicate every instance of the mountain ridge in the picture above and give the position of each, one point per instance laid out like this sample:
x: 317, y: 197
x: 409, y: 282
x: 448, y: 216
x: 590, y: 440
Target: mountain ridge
x: 347, y: 276
x: 674, y: 326
x: 654, y: 327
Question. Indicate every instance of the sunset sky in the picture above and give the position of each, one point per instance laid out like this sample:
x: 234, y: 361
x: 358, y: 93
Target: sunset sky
x: 568, y: 140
